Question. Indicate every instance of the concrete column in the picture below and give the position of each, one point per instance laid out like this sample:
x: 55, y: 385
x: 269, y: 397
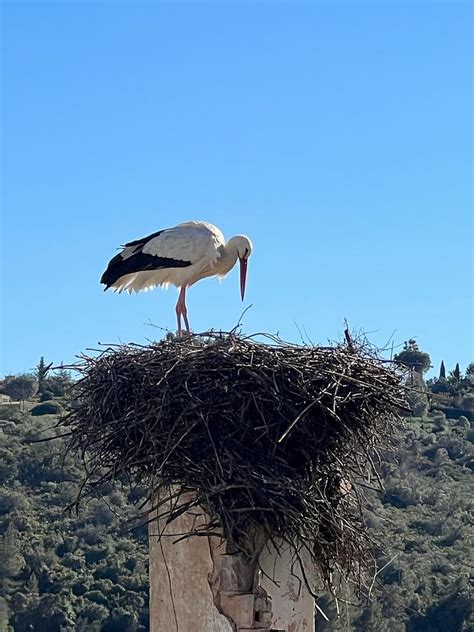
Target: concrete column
x: 292, y: 603
x: 180, y: 596
x: 181, y: 599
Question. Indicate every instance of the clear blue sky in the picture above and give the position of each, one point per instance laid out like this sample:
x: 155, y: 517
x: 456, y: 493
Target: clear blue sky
x: 337, y: 136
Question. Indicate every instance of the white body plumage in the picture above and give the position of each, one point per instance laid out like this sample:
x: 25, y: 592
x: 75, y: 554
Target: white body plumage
x: 177, y: 256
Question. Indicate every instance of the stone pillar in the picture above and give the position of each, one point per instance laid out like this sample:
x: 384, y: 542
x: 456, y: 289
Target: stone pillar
x: 180, y: 596
x: 194, y: 581
x: 292, y: 603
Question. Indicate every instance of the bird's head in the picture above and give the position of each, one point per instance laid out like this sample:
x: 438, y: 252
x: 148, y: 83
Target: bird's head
x: 243, y: 246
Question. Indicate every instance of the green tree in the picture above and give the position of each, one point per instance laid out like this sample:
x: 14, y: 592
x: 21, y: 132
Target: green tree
x: 442, y: 371
x: 59, y: 384
x: 20, y: 387
x: 457, y: 372
x: 456, y: 382
x: 40, y: 374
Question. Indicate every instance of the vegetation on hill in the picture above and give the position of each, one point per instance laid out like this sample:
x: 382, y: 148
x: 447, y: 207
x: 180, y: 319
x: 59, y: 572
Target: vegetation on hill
x: 88, y: 572
x: 424, y: 519
x: 61, y: 572
x: 424, y: 524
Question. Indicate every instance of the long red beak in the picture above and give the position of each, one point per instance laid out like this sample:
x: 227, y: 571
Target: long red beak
x: 243, y: 276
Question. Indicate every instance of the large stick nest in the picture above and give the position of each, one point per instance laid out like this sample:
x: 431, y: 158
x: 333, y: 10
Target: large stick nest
x: 270, y: 437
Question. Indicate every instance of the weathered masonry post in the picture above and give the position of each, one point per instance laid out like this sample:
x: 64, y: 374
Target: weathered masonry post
x: 194, y: 585
x: 252, y: 454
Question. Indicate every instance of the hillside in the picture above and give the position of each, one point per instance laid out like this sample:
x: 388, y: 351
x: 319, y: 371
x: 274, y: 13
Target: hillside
x: 62, y: 572
x: 424, y: 522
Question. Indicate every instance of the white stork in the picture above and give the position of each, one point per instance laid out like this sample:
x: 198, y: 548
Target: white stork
x: 177, y: 256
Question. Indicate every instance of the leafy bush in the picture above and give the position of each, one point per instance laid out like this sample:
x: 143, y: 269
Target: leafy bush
x: 463, y: 423
x: 440, y: 422
x: 11, y: 412
x: 46, y: 396
x: 47, y: 408
x: 8, y: 466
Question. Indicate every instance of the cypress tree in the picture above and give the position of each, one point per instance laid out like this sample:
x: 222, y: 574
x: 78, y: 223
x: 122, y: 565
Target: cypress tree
x: 442, y: 370
x: 40, y: 374
x: 457, y: 372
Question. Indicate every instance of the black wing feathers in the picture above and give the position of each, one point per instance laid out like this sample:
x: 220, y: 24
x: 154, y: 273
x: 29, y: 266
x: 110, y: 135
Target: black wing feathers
x: 138, y: 262
x: 141, y: 242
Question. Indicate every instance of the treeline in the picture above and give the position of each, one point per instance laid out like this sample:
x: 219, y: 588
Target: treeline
x: 38, y: 383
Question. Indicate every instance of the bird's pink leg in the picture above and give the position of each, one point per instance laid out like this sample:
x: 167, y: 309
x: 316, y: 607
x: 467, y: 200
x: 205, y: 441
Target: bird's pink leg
x: 182, y: 311
x: 179, y: 312
x: 178, y: 316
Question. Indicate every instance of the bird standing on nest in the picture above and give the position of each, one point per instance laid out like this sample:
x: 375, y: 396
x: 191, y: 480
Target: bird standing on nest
x: 178, y: 256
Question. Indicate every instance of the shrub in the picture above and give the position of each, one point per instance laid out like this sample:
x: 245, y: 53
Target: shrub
x: 46, y: 396
x: 439, y: 420
x: 11, y: 412
x: 47, y: 408
x: 463, y: 423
